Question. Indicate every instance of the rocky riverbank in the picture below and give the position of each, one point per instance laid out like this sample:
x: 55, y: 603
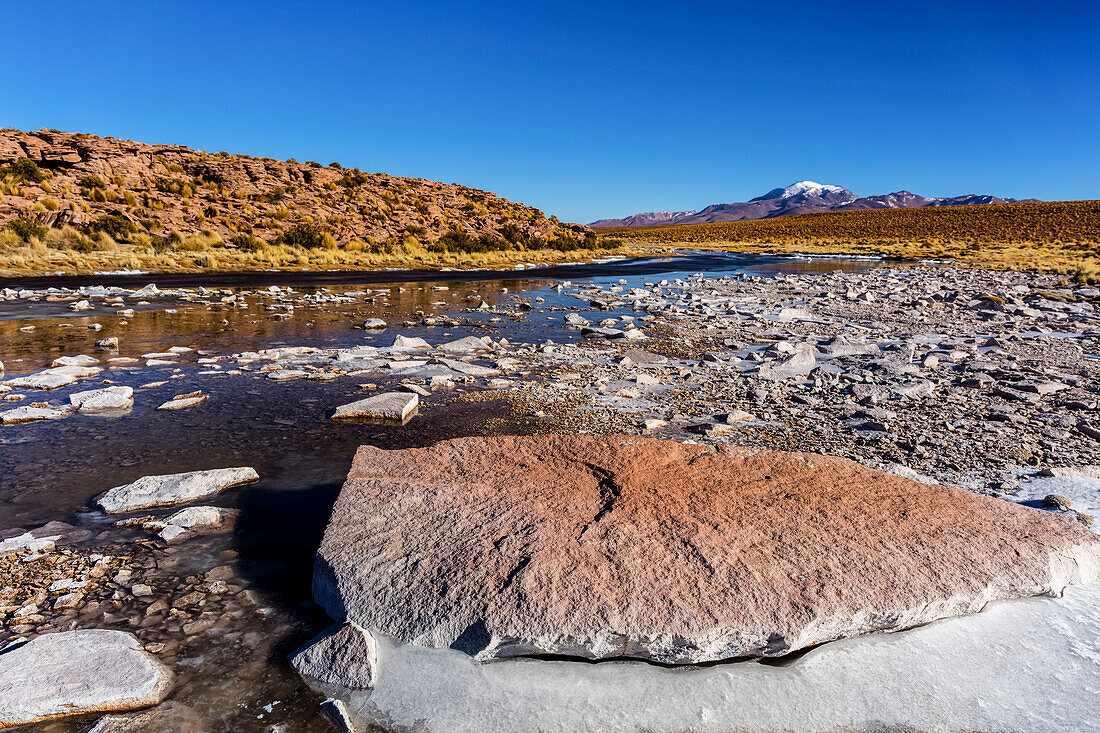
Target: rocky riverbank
x: 984, y: 380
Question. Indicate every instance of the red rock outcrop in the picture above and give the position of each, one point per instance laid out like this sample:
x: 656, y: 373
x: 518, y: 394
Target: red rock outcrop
x: 617, y: 546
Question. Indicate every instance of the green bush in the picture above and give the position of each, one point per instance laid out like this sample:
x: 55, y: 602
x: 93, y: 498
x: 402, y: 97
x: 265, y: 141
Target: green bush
x: 92, y: 182
x: 27, y: 228
x: 23, y: 169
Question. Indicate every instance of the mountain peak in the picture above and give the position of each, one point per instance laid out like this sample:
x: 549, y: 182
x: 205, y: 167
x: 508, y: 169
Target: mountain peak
x: 801, y: 188
x: 801, y: 197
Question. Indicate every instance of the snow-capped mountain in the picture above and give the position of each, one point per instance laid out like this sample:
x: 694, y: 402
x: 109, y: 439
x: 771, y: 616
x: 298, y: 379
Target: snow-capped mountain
x: 803, y: 188
x: 803, y: 197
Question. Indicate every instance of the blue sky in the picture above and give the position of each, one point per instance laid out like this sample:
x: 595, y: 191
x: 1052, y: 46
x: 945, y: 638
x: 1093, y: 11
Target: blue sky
x: 588, y: 109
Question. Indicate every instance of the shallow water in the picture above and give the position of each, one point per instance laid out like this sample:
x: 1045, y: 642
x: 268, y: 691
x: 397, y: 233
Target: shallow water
x: 52, y: 469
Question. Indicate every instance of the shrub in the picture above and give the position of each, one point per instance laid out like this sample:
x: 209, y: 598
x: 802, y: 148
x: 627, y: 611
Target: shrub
x: 26, y: 228
x: 91, y: 182
x: 51, y: 204
x: 64, y: 238
x: 273, y: 196
x: 200, y: 242
x: 116, y: 226
x: 177, y: 186
x: 458, y: 240
x: 352, y: 178
x: 23, y: 169
x: 248, y: 242
x: 305, y: 235
x: 166, y: 242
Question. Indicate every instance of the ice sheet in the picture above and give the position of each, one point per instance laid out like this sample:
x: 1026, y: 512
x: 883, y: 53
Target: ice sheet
x: 1029, y: 665
x: 1083, y: 492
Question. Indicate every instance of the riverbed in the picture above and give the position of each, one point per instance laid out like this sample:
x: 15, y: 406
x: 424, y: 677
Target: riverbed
x: 233, y: 675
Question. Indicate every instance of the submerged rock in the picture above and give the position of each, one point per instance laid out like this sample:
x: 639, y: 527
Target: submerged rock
x: 619, y: 546
x: 172, y: 489
x: 75, y: 672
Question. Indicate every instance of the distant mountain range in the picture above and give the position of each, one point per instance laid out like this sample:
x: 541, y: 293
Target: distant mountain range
x: 803, y: 197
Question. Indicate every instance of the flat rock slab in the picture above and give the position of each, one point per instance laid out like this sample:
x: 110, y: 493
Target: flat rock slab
x: 48, y: 379
x: 115, y: 397
x: 172, y: 489
x: 30, y: 413
x: 180, y: 402
x: 386, y: 406
x: 75, y: 672
x: 80, y: 360
x: 467, y: 345
x: 614, y: 546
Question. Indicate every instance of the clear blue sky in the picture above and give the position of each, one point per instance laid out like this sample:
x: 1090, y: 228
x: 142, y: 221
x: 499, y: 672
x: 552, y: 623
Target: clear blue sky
x: 588, y: 109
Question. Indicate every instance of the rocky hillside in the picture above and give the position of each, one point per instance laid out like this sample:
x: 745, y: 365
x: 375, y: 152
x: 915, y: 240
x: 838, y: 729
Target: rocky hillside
x: 60, y: 178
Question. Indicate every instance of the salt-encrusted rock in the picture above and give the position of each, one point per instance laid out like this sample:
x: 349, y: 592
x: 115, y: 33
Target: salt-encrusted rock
x: 30, y: 413
x: 343, y: 655
x: 472, y: 370
x: 285, y: 375
x: 107, y: 344
x: 620, y: 546
x: 467, y: 345
x: 42, y: 380
x: 374, y: 324
x: 148, y: 291
x: 172, y: 489
x: 401, y: 343
x: 643, y: 357
x: 192, y: 521
x: 76, y: 672
x: 28, y: 541
x: 598, y: 332
x: 182, y: 401
x: 79, y: 360
x: 1072, y: 472
x: 54, y: 378
x: 386, y: 406
x: 115, y: 397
